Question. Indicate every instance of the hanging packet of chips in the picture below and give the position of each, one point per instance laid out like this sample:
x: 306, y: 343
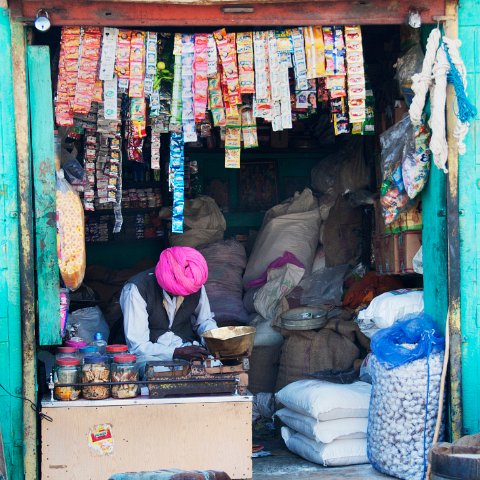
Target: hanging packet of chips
x: 215, y: 101
x: 200, y: 67
x: 67, y: 75
x: 246, y: 72
x: 249, y: 128
x: 188, y: 108
x: 137, y: 65
x: 109, y: 51
x: 299, y: 59
x: 233, y: 141
x: 334, y: 51
x: 87, y: 70
x: 355, y: 74
x: 212, y: 68
x: 262, y: 104
x: 122, y: 64
x: 150, y: 61
x: 314, y: 51
x: 337, y: 86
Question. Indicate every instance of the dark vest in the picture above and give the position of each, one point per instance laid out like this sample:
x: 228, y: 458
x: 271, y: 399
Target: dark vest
x: 158, y: 323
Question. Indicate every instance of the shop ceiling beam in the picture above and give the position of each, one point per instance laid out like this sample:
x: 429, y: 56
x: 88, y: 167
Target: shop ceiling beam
x: 210, y: 13
x: 27, y: 253
x: 453, y: 234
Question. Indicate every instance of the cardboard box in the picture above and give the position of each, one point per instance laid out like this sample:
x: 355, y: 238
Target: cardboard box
x: 408, y: 245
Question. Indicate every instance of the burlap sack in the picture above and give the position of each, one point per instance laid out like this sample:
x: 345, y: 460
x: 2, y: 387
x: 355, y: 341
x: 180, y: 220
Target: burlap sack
x: 334, y: 347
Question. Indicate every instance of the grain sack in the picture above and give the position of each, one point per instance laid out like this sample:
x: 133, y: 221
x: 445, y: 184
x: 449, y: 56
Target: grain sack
x: 70, y: 234
x: 326, y: 401
x: 326, y: 431
x: 334, y: 347
x: 335, y: 454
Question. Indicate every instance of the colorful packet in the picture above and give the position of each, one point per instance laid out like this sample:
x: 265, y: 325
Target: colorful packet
x: 137, y: 65
x: 246, y: 72
x: 314, y: 51
x: 176, y: 110
x: 355, y: 74
x: 299, y: 57
x: 176, y: 180
x: 109, y: 51
x: 150, y: 61
x: 249, y: 128
x: 188, y: 112
x: 122, y: 64
x: 212, y: 68
x: 200, y: 67
x: 334, y: 51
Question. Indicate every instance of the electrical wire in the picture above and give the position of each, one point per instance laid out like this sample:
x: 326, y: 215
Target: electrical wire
x: 33, y: 405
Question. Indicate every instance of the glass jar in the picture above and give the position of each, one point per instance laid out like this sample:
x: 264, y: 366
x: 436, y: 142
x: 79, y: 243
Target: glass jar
x: 67, y: 370
x: 125, y: 369
x: 87, y: 351
x: 76, y: 342
x: 116, y: 349
x: 95, y: 369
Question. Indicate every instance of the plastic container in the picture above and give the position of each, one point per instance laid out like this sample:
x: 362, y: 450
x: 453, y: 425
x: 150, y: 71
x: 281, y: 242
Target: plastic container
x: 124, y: 369
x: 87, y: 351
x: 99, y: 342
x: 67, y: 370
x: 76, y: 342
x: 95, y: 369
x: 112, y: 350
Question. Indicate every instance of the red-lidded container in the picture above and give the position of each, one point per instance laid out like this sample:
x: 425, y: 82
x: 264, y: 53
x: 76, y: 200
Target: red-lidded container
x: 125, y: 369
x: 112, y: 350
x: 63, y: 352
x: 67, y: 370
x: 76, y: 342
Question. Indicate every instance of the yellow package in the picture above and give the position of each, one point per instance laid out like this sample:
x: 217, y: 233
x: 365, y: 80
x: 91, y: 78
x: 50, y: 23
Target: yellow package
x: 70, y: 234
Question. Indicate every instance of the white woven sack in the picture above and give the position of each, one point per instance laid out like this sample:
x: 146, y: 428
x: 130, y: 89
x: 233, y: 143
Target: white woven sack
x: 335, y: 454
x: 327, y: 431
x: 326, y: 401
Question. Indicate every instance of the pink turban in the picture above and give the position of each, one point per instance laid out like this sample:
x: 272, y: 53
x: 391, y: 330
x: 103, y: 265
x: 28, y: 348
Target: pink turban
x: 181, y: 270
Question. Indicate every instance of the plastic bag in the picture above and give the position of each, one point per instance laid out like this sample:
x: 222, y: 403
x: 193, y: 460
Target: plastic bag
x: 408, y: 340
x: 86, y: 322
x: 70, y: 234
x: 416, y: 161
x: 418, y: 262
x: 393, y: 196
x: 322, y: 287
x: 408, y: 65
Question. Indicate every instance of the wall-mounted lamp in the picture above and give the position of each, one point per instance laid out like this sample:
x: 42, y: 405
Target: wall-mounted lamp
x: 42, y: 21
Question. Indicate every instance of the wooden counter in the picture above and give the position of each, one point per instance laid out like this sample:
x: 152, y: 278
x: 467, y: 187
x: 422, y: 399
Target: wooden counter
x: 194, y: 433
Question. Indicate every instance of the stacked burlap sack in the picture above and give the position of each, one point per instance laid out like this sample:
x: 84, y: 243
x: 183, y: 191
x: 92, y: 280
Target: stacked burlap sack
x: 326, y: 423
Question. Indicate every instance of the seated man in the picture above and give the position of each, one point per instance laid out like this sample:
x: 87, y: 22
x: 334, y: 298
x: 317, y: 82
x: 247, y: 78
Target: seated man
x: 166, y: 308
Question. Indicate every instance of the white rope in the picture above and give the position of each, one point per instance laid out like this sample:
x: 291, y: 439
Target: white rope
x: 461, y: 129
x: 438, y: 142
x: 422, y: 82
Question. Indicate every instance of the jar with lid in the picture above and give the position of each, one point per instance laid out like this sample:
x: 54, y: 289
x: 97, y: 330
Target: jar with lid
x: 115, y: 349
x: 86, y: 351
x: 125, y: 369
x: 68, y: 352
x: 67, y: 370
x: 76, y: 342
x: 95, y: 369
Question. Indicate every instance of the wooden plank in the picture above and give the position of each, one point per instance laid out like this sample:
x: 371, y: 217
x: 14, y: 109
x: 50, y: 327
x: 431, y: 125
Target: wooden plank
x: 42, y: 141
x: 469, y: 204
x: 27, y: 253
x: 193, y: 436
x: 105, y: 13
x: 10, y: 348
x: 434, y: 242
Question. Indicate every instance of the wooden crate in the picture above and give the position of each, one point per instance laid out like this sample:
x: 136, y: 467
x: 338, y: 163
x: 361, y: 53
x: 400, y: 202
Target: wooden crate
x: 206, y: 433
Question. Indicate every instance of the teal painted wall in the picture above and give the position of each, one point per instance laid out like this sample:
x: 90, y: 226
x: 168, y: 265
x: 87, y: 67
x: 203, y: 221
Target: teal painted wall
x: 469, y: 200
x: 11, y: 418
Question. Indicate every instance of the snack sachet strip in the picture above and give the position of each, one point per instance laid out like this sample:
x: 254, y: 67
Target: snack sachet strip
x: 355, y: 74
x: 249, y: 128
x: 215, y: 101
x: 150, y: 61
x: 262, y: 103
x: 299, y: 59
x: 109, y: 52
x: 176, y: 110
x: 334, y: 50
x: 212, y: 68
x: 200, y: 67
x: 137, y: 65
x: 246, y: 72
x: 314, y: 51
x: 87, y: 70
x: 188, y: 112
x: 177, y: 180
x: 122, y: 64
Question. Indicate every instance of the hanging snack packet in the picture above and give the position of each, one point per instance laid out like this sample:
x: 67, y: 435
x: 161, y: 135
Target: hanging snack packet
x: 262, y: 100
x: 200, y: 67
x: 249, y: 128
x: 176, y: 111
x: 355, y: 74
x: 137, y: 65
x: 315, y: 51
x: 176, y: 180
x: 109, y: 51
x: 334, y: 51
x: 70, y: 234
x: 188, y: 103
x: 212, y: 68
x: 150, y: 61
x: 300, y: 61
x: 246, y: 72
x: 122, y: 64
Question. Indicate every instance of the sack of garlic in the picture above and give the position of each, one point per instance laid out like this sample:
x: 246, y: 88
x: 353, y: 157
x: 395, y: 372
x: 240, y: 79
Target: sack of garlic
x: 405, y: 398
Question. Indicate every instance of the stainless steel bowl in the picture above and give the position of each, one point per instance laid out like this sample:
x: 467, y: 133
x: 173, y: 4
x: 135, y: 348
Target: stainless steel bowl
x: 304, y: 318
x: 230, y: 342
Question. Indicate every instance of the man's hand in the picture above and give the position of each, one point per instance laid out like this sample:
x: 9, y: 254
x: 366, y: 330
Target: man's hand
x: 190, y: 353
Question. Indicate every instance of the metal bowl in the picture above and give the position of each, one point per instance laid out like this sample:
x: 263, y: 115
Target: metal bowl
x: 304, y: 318
x: 230, y: 342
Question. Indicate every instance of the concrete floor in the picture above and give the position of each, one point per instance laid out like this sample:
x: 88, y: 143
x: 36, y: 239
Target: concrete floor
x: 284, y: 465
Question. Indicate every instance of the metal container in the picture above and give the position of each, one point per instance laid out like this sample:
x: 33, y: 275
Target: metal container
x: 230, y: 342
x: 304, y: 318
